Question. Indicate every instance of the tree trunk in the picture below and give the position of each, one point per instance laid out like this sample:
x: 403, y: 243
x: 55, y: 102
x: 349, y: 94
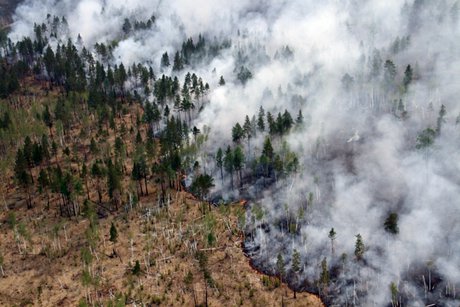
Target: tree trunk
x: 99, y: 195
x: 87, y: 189
x: 231, y: 179
x: 29, y: 200
x: 205, y: 293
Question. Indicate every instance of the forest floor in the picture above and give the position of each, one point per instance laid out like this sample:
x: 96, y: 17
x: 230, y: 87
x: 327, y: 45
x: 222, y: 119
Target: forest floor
x: 49, y: 272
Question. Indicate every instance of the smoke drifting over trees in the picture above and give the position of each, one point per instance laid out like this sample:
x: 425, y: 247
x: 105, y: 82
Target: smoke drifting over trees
x: 366, y: 144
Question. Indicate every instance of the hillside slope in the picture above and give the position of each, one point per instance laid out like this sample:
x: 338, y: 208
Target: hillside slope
x: 188, y: 252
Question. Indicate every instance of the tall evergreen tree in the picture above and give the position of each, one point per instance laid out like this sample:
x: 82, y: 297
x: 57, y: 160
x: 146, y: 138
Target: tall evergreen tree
x: 229, y: 163
x: 260, y: 119
x: 324, y: 276
x: 391, y: 223
x: 220, y: 162
x: 237, y: 133
x: 332, y: 236
x: 408, y: 75
x: 359, y: 247
x: 221, y: 81
x: 440, y: 120
x: 238, y: 161
x: 178, y: 62
x: 165, y: 60
x: 280, y: 267
x: 295, y: 267
x: 22, y: 176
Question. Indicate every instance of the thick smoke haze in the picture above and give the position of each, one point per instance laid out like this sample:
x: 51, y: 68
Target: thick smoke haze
x: 357, y: 149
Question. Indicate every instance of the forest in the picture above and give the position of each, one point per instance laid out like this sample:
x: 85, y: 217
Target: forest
x: 315, y: 145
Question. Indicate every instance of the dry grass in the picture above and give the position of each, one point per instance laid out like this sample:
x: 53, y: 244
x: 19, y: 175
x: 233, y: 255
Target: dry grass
x: 167, y: 239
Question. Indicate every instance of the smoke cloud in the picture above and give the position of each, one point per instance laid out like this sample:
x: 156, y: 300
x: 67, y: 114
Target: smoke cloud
x: 358, y: 153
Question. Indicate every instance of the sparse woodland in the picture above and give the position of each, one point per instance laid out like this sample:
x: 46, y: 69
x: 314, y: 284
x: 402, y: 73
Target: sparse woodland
x: 94, y: 210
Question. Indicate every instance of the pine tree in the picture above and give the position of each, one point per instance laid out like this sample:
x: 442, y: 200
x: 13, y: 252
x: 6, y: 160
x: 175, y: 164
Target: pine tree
x: 220, y: 162
x: 45, y: 148
x: 272, y: 128
x: 47, y: 119
x: 221, y: 81
x: 127, y: 27
x: 394, y: 294
x: 201, y: 185
x: 324, y: 276
x: 97, y: 172
x: 229, y: 163
x: 332, y: 236
x: 408, y: 74
x: 44, y: 183
x: 425, y: 139
x: 237, y: 133
x: 391, y: 223
x: 299, y: 119
x: 440, y: 120
x: 165, y: 60
x: 113, y: 179
x: 287, y: 122
x: 247, y: 130
x: 295, y: 266
x: 93, y: 147
x: 359, y: 247
x: 113, y: 233
x: 280, y: 267
x: 22, y: 176
x: 389, y: 73
x: 178, y: 62
x: 136, y: 269
x: 260, y: 119
x: 238, y: 161
x: 244, y: 75
x: 267, y: 157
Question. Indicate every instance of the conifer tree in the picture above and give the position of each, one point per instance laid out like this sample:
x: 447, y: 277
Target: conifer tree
x: 113, y: 233
x: 332, y: 236
x: 391, y: 223
x: 229, y: 163
x: 408, y: 74
x: 220, y: 162
x: 136, y: 269
x: 280, y: 267
x: 260, y: 119
x: 178, y: 62
x: 295, y: 267
x: 22, y: 175
x: 440, y: 120
x: 238, y: 161
x: 324, y: 276
x: 359, y: 247
x: 165, y: 60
